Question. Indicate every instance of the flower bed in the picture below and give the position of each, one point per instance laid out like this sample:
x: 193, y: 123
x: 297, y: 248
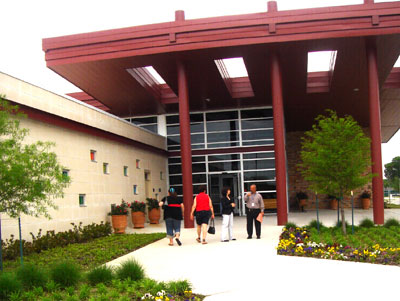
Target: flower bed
x: 305, y: 242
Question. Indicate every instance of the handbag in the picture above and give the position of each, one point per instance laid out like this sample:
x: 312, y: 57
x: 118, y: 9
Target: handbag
x: 211, y: 228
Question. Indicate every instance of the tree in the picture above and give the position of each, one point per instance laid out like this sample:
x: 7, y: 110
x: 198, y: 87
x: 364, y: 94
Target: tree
x: 335, y: 156
x: 30, y: 175
x: 392, y: 173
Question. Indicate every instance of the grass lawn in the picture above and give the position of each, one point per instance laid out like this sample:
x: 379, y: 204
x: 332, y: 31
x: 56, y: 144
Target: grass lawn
x: 376, y: 244
x: 392, y: 206
x: 91, y: 254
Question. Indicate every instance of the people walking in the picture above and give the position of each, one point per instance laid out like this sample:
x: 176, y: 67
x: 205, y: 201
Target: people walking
x: 203, y: 207
x: 173, y: 215
x: 254, y: 211
x: 228, y: 205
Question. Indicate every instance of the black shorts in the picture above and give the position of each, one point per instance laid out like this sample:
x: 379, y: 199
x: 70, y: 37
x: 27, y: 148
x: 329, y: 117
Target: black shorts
x: 202, y: 217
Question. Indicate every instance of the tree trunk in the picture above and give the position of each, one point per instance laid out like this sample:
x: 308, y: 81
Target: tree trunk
x: 343, y: 220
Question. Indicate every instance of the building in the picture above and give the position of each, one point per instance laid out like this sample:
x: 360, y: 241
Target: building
x: 233, y: 130
x: 107, y: 158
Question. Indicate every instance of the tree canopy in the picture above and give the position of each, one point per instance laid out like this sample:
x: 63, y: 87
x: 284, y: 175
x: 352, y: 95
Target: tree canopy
x: 30, y: 175
x: 392, y: 173
x: 335, y: 155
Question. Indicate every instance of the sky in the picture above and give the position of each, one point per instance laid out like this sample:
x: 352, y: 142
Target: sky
x: 25, y: 22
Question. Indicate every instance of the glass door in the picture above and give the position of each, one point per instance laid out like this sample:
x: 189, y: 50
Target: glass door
x: 216, y: 183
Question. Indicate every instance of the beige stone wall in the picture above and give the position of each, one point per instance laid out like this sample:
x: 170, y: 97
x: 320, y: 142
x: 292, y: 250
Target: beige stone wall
x: 297, y: 183
x: 87, y: 177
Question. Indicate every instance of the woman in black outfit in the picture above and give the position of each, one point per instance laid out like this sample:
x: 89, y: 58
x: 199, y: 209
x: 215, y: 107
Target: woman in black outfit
x: 173, y: 215
x: 228, y: 206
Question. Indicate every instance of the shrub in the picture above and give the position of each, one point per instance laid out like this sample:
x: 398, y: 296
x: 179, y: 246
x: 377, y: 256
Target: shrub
x: 367, y: 223
x: 65, y: 274
x: 339, y: 224
x: 313, y: 224
x: 289, y: 225
x: 39, y: 243
x: 178, y: 287
x: 130, y: 269
x: 31, y: 276
x: 392, y: 222
x: 9, y: 284
x: 100, y: 274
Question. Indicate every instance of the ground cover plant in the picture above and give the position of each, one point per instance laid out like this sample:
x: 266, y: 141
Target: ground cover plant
x: 376, y: 244
x: 77, y: 272
x: 90, y: 254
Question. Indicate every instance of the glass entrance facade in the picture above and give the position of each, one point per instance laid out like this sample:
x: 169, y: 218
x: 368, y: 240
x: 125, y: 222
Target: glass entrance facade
x: 221, y: 130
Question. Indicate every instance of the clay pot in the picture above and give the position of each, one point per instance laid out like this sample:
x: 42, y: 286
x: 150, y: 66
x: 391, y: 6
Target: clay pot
x: 119, y: 223
x: 138, y: 219
x: 154, y: 216
x: 333, y: 204
x: 366, y: 203
x: 303, y: 202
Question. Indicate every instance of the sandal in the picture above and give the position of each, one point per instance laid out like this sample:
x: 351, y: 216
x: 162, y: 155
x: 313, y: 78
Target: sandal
x: 170, y: 244
x: 204, y: 242
x: 178, y: 241
x: 198, y: 240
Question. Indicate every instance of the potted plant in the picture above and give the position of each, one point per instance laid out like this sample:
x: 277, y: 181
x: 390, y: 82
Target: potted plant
x: 333, y: 202
x: 302, y: 198
x: 154, y: 210
x: 365, y: 199
x: 118, y: 217
x: 137, y: 213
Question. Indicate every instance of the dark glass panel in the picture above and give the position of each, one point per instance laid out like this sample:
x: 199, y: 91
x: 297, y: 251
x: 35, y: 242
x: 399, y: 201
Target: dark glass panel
x: 201, y: 178
x: 172, y: 119
x: 222, y: 115
x: 174, y: 169
x: 232, y: 125
x: 222, y: 137
x: 223, y: 157
x: 259, y: 155
x: 258, y: 164
x: 257, y: 124
x: 258, y: 134
x: 144, y: 120
x: 174, y: 180
x: 199, y: 167
x: 221, y: 145
x: 259, y: 175
x: 224, y: 166
x: 257, y: 113
x: 261, y: 186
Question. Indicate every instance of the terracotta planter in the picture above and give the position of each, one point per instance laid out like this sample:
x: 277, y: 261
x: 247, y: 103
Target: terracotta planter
x: 366, y: 203
x: 138, y: 219
x: 303, y: 202
x: 333, y: 204
x: 119, y: 223
x: 154, y: 216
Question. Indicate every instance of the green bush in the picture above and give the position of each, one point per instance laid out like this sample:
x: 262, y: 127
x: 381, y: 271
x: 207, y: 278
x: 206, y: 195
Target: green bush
x: 100, y: 274
x: 178, y: 287
x: 392, y: 222
x: 39, y: 243
x: 339, y: 224
x: 130, y: 269
x: 313, y: 224
x: 9, y: 284
x: 65, y: 274
x: 31, y: 276
x: 367, y: 223
x: 290, y: 225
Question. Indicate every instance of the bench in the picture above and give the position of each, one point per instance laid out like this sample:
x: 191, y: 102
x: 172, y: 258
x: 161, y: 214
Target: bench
x: 269, y: 203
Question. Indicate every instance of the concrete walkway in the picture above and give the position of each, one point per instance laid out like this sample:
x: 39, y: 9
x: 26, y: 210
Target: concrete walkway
x: 251, y: 270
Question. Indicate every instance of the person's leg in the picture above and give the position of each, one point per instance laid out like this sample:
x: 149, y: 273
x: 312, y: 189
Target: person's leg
x: 249, y: 224
x: 198, y: 232
x: 177, y: 228
x: 204, y: 230
x: 170, y: 231
x: 224, y: 227
x: 230, y: 226
x: 257, y: 224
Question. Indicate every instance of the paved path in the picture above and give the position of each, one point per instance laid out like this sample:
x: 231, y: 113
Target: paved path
x: 251, y: 270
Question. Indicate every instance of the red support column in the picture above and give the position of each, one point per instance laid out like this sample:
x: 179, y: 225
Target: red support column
x: 375, y: 131
x: 186, y: 149
x: 279, y: 138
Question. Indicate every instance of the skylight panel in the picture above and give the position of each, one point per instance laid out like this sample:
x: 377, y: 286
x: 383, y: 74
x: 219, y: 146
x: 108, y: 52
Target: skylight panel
x: 235, y: 67
x: 321, y: 61
x: 397, y: 64
x: 155, y: 74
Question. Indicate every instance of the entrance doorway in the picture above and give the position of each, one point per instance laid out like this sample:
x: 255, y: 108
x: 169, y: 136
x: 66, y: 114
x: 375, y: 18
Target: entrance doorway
x: 216, y: 182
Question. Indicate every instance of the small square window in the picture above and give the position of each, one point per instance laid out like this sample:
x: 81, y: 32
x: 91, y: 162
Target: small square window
x: 135, y: 189
x: 65, y: 173
x: 161, y: 175
x: 93, y: 155
x: 137, y: 163
x: 105, y: 168
x: 82, y: 200
x: 125, y: 171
